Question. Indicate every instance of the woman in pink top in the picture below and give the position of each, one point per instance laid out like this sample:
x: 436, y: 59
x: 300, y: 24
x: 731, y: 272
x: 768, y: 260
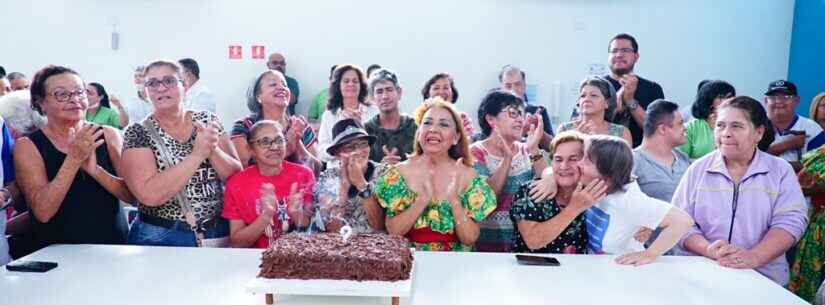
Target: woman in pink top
x: 747, y: 204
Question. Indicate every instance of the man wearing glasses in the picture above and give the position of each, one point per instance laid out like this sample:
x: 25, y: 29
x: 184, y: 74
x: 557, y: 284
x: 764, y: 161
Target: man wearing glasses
x: 794, y: 135
x: 277, y: 61
x: 633, y: 93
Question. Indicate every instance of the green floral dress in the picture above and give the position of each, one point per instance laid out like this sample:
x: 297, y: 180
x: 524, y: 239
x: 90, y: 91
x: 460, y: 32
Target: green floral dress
x: 434, y: 228
x: 807, y: 269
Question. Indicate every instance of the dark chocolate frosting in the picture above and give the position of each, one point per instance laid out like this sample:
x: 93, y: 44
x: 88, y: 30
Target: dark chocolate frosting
x: 364, y: 257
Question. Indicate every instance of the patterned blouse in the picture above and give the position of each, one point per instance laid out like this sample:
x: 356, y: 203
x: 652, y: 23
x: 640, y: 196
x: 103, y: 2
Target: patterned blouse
x: 496, y: 231
x: 434, y: 228
x: 204, y: 188
x: 326, y: 191
x: 573, y: 240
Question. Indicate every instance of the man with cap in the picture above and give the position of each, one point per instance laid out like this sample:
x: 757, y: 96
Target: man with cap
x: 794, y: 135
x: 344, y: 190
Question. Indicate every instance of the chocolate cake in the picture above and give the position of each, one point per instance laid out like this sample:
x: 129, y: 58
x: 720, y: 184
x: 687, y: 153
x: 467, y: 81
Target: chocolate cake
x: 364, y: 257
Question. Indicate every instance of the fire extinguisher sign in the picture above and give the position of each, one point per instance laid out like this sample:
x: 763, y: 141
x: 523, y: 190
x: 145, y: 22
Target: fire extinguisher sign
x: 258, y: 52
x: 235, y: 52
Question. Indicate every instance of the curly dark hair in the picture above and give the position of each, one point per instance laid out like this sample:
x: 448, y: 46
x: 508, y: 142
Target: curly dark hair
x: 336, y: 99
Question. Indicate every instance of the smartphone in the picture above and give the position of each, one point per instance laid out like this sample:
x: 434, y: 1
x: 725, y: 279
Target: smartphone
x: 30, y: 266
x: 537, y: 260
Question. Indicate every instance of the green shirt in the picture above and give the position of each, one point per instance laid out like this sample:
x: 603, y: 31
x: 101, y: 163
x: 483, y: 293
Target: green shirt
x: 318, y: 106
x: 699, y: 139
x: 104, y: 116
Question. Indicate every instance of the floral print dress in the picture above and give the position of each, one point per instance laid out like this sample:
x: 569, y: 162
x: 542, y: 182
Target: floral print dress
x: 434, y: 230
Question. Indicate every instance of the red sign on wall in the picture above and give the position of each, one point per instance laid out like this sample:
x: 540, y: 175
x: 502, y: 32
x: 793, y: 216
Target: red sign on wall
x: 235, y: 52
x: 258, y: 52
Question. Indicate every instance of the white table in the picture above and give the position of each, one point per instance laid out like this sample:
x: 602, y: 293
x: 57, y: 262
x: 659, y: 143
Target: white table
x: 97, y: 274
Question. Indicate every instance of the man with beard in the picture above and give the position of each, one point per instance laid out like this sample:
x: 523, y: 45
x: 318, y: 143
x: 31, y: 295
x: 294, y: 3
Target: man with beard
x: 633, y: 92
x: 277, y: 61
x: 394, y: 132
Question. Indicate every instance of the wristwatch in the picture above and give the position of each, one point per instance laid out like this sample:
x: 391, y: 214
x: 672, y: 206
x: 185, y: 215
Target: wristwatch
x: 632, y: 104
x: 366, y: 192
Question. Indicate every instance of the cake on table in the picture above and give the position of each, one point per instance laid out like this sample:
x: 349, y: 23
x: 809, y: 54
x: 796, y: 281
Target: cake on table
x: 363, y: 257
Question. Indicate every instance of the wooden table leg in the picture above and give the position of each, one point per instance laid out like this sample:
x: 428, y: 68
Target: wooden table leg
x: 270, y: 299
x: 395, y: 301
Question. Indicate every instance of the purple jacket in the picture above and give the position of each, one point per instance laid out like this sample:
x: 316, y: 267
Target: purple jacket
x: 768, y: 196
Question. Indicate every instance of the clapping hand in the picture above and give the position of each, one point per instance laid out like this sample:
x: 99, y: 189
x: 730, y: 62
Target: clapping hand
x: 82, y: 145
x: 390, y: 156
x: 206, y: 139
x: 268, y: 202
x: 535, y: 133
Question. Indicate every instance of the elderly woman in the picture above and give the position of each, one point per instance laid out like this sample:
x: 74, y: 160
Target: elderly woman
x: 613, y: 221
x: 557, y: 225
x: 817, y: 111
x: 67, y: 170
x: 268, y: 99
x: 442, y: 85
x: 100, y: 110
x: 597, y: 100
x: 772, y: 215
x: 272, y: 196
x: 435, y: 198
x: 345, y: 189
x: 347, y: 99
x: 175, y: 162
x: 699, y: 130
x: 505, y: 161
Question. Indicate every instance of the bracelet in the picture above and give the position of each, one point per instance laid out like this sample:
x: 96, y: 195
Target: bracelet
x: 535, y: 157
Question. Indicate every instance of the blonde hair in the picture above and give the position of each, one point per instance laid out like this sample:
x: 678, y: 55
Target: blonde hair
x: 566, y: 137
x: 460, y: 150
x: 818, y: 99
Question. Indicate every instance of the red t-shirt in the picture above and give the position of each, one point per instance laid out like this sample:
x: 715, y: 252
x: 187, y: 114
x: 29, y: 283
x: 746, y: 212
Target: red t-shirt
x: 244, y: 189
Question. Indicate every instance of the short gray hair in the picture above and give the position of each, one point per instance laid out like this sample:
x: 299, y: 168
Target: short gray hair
x: 382, y: 75
x: 15, y: 75
x: 613, y: 159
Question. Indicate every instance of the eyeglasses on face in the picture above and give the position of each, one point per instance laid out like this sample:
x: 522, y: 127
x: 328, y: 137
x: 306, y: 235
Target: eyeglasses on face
x: 63, y: 96
x: 622, y: 51
x: 166, y: 81
x: 514, y: 112
x: 780, y: 98
x: 350, y: 147
x: 267, y: 142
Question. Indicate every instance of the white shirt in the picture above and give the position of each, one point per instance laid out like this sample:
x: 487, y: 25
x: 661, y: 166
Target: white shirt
x: 137, y: 109
x: 200, y: 98
x: 814, y: 137
x: 612, y: 221
x: 328, y: 119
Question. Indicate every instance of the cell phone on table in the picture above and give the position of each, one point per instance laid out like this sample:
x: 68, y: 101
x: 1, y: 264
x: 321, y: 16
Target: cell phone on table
x: 30, y: 266
x: 535, y: 260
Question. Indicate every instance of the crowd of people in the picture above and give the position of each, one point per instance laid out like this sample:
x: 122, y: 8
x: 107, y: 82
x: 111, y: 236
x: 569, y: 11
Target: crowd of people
x: 627, y: 175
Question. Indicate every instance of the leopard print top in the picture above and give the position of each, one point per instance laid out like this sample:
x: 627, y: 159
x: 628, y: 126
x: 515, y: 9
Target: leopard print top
x: 204, y: 189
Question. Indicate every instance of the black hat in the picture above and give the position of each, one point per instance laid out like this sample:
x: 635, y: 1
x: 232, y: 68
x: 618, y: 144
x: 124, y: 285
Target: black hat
x: 781, y: 86
x: 346, y: 130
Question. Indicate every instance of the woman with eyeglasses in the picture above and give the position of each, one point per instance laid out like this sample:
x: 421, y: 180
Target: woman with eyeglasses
x: 175, y: 162
x: 68, y: 169
x: 699, y: 130
x: 347, y: 100
x: 435, y: 198
x: 505, y: 161
x: 271, y: 197
x: 747, y: 204
x: 344, y: 195
x: 597, y: 102
x: 268, y: 99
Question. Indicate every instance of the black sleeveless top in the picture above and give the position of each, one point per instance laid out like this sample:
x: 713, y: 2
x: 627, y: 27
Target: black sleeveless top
x: 88, y: 213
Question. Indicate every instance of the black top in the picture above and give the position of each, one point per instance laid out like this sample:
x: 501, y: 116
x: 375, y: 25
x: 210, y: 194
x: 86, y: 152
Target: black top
x: 573, y: 240
x: 88, y: 213
x: 401, y: 138
x: 646, y: 92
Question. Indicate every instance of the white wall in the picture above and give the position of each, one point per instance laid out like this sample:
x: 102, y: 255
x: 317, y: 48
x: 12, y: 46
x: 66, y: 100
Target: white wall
x: 681, y: 42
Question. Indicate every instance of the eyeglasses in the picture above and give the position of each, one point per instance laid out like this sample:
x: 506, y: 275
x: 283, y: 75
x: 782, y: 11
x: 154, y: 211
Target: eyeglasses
x: 622, y: 50
x: 348, y: 148
x: 514, y: 112
x: 66, y: 95
x: 166, y: 81
x: 780, y: 98
x: 267, y: 142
